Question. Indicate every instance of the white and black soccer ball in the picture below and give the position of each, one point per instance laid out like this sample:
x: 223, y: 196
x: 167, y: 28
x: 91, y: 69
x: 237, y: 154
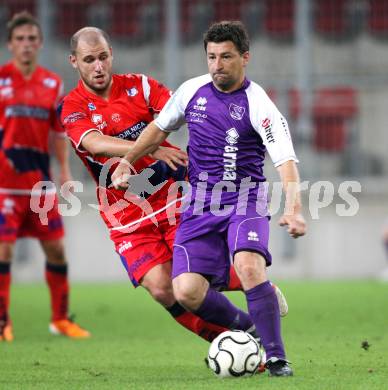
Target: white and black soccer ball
x: 234, y: 354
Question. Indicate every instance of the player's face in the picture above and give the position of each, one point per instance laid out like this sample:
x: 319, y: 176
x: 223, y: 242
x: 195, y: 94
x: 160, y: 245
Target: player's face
x: 226, y: 65
x: 25, y: 44
x: 94, y: 64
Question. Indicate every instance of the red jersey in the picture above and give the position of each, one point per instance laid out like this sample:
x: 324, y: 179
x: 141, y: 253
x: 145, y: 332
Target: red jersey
x: 27, y: 114
x: 133, y: 101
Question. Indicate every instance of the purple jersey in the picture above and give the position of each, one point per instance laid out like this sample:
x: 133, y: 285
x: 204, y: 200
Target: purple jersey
x: 229, y: 133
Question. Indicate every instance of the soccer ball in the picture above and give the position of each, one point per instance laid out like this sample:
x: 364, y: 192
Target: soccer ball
x: 234, y: 354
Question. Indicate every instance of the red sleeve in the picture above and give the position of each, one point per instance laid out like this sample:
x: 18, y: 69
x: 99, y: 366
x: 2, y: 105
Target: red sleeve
x: 155, y: 93
x: 76, y: 122
x: 54, y: 117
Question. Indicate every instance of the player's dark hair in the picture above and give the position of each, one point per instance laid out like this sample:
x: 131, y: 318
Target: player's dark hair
x: 223, y: 31
x: 21, y: 19
x: 95, y: 32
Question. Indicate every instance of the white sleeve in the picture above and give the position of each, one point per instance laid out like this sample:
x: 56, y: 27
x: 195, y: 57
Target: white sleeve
x: 271, y: 125
x: 172, y: 117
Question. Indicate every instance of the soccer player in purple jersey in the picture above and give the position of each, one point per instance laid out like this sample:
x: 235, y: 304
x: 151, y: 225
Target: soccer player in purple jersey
x: 232, y: 123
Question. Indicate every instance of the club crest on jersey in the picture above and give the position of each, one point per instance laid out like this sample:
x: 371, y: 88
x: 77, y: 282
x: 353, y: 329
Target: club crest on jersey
x: 132, y: 92
x: 116, y: 117
x: 236, y: 112
x: 8, y: 206
x: 91, y: 106
x: 49, y: 82
x: 232, y: 136
x: 7, y: 92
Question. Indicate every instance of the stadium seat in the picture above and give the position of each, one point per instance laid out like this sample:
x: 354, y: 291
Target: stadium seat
x: 196, y: 16
x: 338, y: 19
x: 378, y: 18
x: 332, y: 113
x: 71, y: 15
x: 136, y: 21
x: 279, y: 19
x: 20, y: 5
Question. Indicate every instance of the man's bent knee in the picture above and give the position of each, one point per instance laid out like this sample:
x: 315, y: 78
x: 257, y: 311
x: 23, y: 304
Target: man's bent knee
x: 250, y: 268
x: 190, y: 290
x: 54, y: 251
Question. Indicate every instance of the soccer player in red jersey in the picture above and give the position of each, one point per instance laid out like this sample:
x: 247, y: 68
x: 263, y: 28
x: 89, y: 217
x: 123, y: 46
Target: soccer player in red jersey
x: 103, y: 116
x: 29, y: 95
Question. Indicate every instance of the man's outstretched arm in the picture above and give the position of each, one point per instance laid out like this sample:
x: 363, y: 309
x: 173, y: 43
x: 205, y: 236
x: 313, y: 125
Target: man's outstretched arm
x: 292, y: 216
x: 148, y: 141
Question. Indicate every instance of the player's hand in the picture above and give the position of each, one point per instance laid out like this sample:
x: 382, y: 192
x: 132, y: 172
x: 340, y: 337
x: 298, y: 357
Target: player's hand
x: 171, y: 156
x: 296, y: 224
x: 121, y: 175
x: 66, y: 180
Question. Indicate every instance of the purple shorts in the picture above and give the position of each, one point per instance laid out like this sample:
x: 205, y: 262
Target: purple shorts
x: 205, y: 244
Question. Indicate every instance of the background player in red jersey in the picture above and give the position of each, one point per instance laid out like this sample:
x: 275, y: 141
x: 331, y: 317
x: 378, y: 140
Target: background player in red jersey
x: 103, y: 115
x: 29, y: 95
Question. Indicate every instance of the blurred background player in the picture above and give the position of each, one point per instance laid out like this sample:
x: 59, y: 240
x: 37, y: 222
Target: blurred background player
x: 29, y: 95
x: 103, y: 116
x: 383, y: 275
x: 232, y: 123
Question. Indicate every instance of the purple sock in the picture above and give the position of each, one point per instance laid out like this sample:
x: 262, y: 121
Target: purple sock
x: 263, y: 308
x: 217, y: 309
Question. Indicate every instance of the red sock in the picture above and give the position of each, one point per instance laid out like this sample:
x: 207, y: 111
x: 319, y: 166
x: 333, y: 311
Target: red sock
x: 234, y: 281
x: 5, y: 283
x: 56, y: 277
x: 195, y: 324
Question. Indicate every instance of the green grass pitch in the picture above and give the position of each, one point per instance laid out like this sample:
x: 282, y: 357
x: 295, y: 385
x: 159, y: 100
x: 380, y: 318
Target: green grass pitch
x: 136, y: 345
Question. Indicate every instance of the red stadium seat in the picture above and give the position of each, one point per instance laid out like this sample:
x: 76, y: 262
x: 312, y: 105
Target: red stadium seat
x: 338, y: 19
x: 279, y: 18
x: 126, y: 18
x: 330, y: 17
x: 137, y: 20
x: 332, y: 111
x: 71, y: 15
x: 20, y: 5
x: 378, y: 17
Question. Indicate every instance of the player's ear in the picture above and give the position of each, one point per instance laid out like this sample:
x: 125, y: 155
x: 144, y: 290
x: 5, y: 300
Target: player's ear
x: 245, y: 57
x: 111, y: 51
x: 73, y: 61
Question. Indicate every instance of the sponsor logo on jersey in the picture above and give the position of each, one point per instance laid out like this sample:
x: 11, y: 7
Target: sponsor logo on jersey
x: 236, y: 112
x: 124, y: 246
x: 91, y: 106
x: 131, y: 92
x: 6, y: 82
x: 253, y: 236
x: 116, y: 117
x: 267, y: 126
x: 74, y: 117
x: 201, y: 104
x: 98, y: 121
x: 232, y: 136
x: 22, y: 111
x: 132, y: 132
x: 230, y: 155
x: 49, y: 82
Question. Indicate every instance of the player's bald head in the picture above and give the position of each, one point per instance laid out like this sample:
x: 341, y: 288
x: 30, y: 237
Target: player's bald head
x: 90, y: 35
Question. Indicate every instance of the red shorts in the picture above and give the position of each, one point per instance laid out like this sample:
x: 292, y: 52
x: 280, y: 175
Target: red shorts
x: 146, y: 247
x: 18, y: 220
